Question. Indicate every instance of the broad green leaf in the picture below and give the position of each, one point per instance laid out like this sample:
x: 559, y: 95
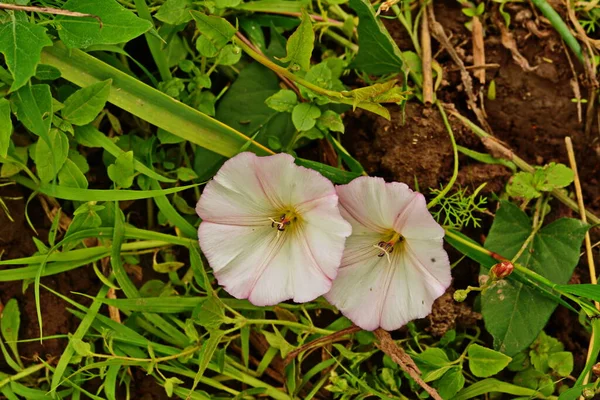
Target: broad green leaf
x: 210, y: 313
x: 83, y: 106
x: 21, y: 42
x: 216, y: 32
x: 522, y: 185
x: 304, y: 116
x: 118, y: 24
x: 230, y: 55
x: 561, y: 362
x: 300, y: 45
x: 71, y: 176
x: 586, y: 290
x: 121, y: 172
x: 174, y: 12
x: 243, y: 107
x: 378, y: 54
x: 515, y: 313
x: 50, y: 159
x: 541, y: 349
x: 484, y: 362
x: 332, y: 121
x: 430, y: 359
x: 282, y: 101
x: 450, y: 383
x: 533, y: 379
x: 206, y: 354
x: 6, y: 127
x: 80, y: 347
x: 33, y: 107
x: 186, y: 174
x: 277, y: 341
x: 10, y: 321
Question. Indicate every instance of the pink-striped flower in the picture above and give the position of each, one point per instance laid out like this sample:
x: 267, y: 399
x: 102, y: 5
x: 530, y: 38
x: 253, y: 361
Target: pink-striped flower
x: 394, y: 265
x: 271, y: 230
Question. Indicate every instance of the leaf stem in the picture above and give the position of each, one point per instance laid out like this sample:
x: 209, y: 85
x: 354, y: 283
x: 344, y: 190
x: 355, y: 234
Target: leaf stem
x: 455, y: 153
x: 26, y: 372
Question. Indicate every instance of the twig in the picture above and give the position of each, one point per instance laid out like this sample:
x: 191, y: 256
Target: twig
x: 320, y: 341
x: 478, y: 49
x: 574, y: 84
x: 426, y: 61
x: 509, y: 43
x: 50, y: 10
x: 438, y: 33
x: 588, y: 243
x: 285, y: 80
x: 387, y: 345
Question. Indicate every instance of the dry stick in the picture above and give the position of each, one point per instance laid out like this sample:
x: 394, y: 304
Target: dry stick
x: 50, y: 10
x: 426, y: 61
x: 285, y: 80
x: 438, y: 33
x: 321, y: 341
x: 478, y: 49
x: 588, y: 243
x: 387, y: 345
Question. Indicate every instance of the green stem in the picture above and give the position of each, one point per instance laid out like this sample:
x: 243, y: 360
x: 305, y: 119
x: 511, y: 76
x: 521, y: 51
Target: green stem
x: 454, y: 151
x: 408, y: 27
x: 342, y: 40
x: 291, y: 324
x: 26, y: 372
x: 559, y: 194
x: 560, y: 26
x: 154, y: 43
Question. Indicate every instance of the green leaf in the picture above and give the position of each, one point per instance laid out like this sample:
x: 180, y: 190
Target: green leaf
x: 33, y: 107
x: 553, y: 176
x: 490, y: 385
x: 243, y: 107
x: 522, y: 185
x: 300, y: 45
x: 586, y: 290
x: 6, y: 127
x: 485, y: 362
x: 122, y: 171
x: 210, y: 313
x: 334, y: 174
x: 378, y: 54
x: 186, y: 174
x: 561, y: 362
x: 332, y: 121
x: 206, y: 353
x: 227, y: 3
x: 149, y: 104
x: 536, y: 380
x: 81, y: 348
x: 515, y: 313
x: 118, y: 24
x: 10, y: 321
x: 304, y: 116
x: 541, y: 349
x: 216, y: 32
x: 282, y: 101
x: 71, y: 176
x: 174, y: 12
x: 432, y: 358
x: 45, y: 72
x: 83, y: 106
x: 230, y: 55
x: 276, y: 340
x: 450, y: 383
x: 21, y: 42
x: 50, y: 159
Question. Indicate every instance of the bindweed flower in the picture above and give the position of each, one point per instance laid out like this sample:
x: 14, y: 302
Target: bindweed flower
x: 394, y: 265
x: 271, y: 230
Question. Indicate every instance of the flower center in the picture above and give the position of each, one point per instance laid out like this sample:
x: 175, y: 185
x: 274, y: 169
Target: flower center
x: 284, y: 220
x: 386, y: 247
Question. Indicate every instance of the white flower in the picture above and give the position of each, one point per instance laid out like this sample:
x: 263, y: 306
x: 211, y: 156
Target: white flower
x: 271, y: 230
x: 394, y: 265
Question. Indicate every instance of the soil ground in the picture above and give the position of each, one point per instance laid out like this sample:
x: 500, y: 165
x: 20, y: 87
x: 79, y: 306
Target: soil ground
x: 532, y: 113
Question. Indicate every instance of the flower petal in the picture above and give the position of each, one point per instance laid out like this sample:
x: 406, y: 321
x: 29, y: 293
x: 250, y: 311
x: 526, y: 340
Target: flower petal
x: 238, y: 254
x: 415, y: 221
x: 374, y: 203
x: 413, y: 288
x: 235, y: 196
x: 286, y: 183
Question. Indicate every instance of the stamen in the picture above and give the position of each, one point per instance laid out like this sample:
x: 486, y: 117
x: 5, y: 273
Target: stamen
x: 387, y: 247
x: 283, y: 222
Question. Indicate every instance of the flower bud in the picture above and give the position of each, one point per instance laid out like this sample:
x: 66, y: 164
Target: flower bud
x: 501, y: 270
x: 588, y: 393
x: 596, y: 369
x: 460, y: 295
